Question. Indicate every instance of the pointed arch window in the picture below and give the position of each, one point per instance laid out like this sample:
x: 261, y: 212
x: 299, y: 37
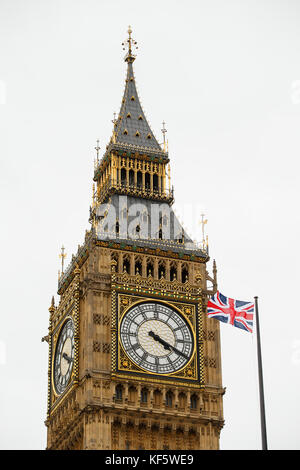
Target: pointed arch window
x: 194, y: 401
x: 119, y: 392
x: 169, y: 398
x: 144, y: 395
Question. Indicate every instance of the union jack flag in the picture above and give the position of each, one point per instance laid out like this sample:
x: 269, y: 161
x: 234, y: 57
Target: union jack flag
x: 234, y: 312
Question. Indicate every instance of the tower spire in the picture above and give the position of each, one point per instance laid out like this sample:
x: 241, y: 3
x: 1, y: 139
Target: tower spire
x: 131, y: 128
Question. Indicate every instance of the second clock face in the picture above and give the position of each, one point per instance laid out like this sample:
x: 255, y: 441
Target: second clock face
x: 64, y: 357
x: 156, y: 337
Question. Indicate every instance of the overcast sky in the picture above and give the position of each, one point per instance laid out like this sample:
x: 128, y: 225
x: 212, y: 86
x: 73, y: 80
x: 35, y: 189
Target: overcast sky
x: 225, y: 77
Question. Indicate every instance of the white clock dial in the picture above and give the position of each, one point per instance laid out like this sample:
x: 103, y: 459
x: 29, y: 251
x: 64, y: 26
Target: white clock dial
x: 156, y: 337
x: 64, y: 357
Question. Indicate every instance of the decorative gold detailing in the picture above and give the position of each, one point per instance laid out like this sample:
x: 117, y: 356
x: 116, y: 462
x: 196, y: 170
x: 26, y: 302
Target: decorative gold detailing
x: 125, y: 131
x: 190, y: 370
x: 137, y: 134
x: 114, y: 121
x: 140, y: 118
x: 130, y: 43
x: 203, y: 223
x: 164, y: 130
x: 62, y: 257
x: 132, y: 98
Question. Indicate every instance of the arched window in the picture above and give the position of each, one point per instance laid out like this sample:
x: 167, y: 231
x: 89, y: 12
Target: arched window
x: 131, y: 177
x: 150, y: 268
x: 184, y: 274
x: 138, y: 267
x: 123, y: 176
x: 169, y: 398
x: 139, y: 179
x: 194, y: 401
x: 161, y: 270
x: 155, y: 182
x: 147, y: 180
x: 144, y: 395
x: 173, y: 272
x: 126, y: 265
x: 119, y: 392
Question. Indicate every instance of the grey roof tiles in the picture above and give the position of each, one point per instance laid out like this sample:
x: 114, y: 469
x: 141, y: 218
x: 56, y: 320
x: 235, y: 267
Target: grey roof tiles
x: 132, y: 127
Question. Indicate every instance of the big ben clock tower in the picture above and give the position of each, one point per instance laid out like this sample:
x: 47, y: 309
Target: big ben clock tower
x: 134, y: 362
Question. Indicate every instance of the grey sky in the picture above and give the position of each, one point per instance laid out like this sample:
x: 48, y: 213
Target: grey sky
x: 225, y: 76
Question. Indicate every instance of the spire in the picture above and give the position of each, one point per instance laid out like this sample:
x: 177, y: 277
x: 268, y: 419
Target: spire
x: 131, y: 127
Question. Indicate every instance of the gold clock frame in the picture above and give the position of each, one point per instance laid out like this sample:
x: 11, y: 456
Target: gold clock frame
x: 191, y: 374
x: 56, y: 337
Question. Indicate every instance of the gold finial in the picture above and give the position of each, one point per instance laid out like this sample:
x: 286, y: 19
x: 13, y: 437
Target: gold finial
x: 114, y: 121
x: 62, y: 256
x: 164, y: 130
x: 97, y: 148
x: 130, y: 43
x: 203, y: 222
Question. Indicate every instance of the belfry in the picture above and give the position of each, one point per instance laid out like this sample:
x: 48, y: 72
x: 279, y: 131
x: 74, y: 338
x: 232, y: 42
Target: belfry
x: 134, y: 362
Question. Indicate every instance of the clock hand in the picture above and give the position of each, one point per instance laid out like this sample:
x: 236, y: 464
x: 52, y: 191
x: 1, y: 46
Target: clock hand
x: 179, y: 352
x: 68, y: 358
x: 161, y: 341
x: 166, y: 345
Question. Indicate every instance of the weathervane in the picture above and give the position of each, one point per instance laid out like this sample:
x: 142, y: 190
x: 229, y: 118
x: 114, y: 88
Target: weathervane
x: 62, y: 256
x: 130, y: 43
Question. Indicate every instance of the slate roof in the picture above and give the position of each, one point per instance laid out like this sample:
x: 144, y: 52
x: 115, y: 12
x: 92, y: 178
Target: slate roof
x: 137, y: 208
x: 132, y: 127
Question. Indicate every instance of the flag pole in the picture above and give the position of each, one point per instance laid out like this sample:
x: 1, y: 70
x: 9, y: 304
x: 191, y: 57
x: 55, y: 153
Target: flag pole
x: 260, y: 382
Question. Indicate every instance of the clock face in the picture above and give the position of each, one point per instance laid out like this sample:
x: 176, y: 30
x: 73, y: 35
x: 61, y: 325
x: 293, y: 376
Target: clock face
x: 64, y: 357
x: 156, y: 338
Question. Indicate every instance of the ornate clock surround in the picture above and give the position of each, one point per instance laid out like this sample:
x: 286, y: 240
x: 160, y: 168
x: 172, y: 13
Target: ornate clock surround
x: 122, y: 365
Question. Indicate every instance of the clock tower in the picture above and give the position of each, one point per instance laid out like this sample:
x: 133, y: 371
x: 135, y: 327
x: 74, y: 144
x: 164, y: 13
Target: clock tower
x: 134, y: 362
